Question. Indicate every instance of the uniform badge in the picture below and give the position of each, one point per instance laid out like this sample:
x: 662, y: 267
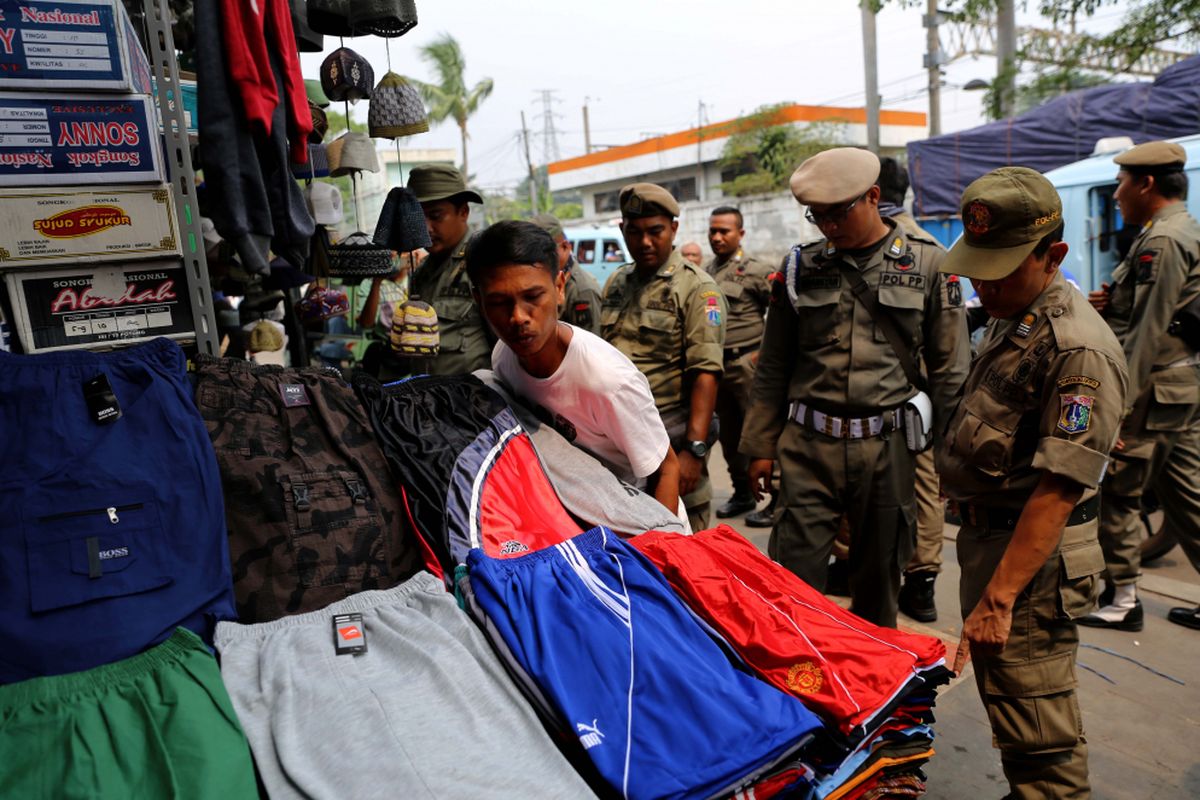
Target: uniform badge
x: 1145, y: 266
x: 712, y: 312
x: 1025, y: 326
x: 978, y: 218
x: 953, y: 292
x: 1078, y: 380
x: 905, y: 263
x: 805, y: 678
x: 1076, y: 414
x: 634, y: 204
x: 895, y: 249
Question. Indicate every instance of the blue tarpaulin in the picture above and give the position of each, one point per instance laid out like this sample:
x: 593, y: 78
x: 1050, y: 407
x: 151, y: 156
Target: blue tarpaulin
x: 1061, y: 131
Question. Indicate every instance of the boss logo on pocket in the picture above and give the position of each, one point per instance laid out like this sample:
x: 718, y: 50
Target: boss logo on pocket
x: 113, y: 552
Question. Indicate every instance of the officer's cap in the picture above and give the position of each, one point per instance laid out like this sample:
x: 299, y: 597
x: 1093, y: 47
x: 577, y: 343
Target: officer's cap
x: 550, y: 224
x: 647, y: 200
x: 835, y: 176
x: 1005, y: 214
x: 430, y: 182
x: 1154, y: 156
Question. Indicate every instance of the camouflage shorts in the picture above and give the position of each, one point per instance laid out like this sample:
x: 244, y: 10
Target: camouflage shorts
x: 311, y: 512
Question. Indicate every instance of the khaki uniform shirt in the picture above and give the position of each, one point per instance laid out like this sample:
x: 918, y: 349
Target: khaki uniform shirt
x: 821, y: 346
x: 465, y: 341
x: 1160, y: 275
x: 581, y: 305
x: 913, y: 230
x: 743, y: 281
x: 1045, y: 393
x: 669, y: 325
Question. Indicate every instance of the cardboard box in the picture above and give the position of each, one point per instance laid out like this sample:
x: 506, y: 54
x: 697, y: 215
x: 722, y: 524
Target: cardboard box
x: 101, y: 306
x: 40, y: 227
x: 80, y: 45
x: 63, y: 139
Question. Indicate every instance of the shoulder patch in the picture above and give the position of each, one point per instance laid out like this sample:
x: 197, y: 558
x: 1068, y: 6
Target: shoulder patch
x: 1078, y: 380
x: 954, y: 298
x: 712, y: 309
x: 1076, y: 414
x: 710, y: 293
x: 1025, y: 326
x: 1144, y: 265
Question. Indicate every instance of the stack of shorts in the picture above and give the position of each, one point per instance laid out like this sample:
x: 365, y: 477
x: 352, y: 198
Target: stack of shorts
x: 312, y: 516
x: 112, y: 529
x: 424, y: 710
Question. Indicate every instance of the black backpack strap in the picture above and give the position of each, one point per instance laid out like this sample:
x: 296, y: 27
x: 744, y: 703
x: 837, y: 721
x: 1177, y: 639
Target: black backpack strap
x: 886, y: 324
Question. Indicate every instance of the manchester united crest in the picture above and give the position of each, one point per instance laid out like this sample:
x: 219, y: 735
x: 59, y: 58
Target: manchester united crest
x: 805, y: 678
x: 978, y: 218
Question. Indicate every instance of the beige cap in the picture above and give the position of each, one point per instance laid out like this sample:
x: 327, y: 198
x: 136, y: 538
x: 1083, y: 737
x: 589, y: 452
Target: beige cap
x: 432, y: 182
x: 350, y: 152
x: 1153, y: 155
x: 647, y: 200
x: 835, y: 176
x: 1005, y: 214
x: 265, y: 337
x: 550, y: 224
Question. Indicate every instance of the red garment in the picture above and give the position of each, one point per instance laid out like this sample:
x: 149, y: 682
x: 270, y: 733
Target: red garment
x: 249, y: 28
x: 836, y: 663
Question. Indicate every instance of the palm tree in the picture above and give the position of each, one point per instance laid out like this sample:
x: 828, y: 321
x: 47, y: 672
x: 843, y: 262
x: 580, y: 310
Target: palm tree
x: 449, y: 96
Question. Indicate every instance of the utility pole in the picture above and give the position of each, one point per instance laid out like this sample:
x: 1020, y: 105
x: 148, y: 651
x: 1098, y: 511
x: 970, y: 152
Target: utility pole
x: 533, y: 205
x: 699, y: 155
x: 587, y: 128
x: 1006, y: 56
x: 872, y: 75
x: 933, y: 63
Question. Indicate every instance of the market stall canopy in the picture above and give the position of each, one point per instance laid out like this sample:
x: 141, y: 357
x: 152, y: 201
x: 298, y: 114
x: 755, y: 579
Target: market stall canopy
x: 1059, y: 132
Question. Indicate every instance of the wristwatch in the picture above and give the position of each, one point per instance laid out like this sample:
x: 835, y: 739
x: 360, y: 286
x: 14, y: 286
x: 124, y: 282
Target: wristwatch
x: 697, y: 448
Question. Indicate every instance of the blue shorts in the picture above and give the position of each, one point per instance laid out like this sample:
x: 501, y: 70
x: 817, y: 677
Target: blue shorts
x: 111, y: 535
x: 620, y: 661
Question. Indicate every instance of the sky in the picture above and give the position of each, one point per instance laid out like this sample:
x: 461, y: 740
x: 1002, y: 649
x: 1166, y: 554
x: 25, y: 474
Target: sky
x: 645, y: 66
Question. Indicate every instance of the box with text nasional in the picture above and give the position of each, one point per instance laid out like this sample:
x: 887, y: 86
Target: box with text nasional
x: 42, y: 227
x: 80, y: 45
x: 101, y: 306
x: 78, y: 139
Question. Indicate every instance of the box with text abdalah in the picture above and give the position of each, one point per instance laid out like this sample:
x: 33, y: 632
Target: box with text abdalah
x: 79, y: 45
x: 45, y: 227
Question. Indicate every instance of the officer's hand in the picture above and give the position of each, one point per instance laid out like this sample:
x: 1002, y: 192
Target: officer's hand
x: 986, y: 629
x: 760, y: 476
x: 689, y: 472
x: 1099, y: 298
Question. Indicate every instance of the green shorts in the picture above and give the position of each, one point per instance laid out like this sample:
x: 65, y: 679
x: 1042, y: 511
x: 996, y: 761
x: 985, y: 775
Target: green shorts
x: 157, y: 725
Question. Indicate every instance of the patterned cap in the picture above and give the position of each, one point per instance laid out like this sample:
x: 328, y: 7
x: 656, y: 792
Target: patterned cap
x: 345, y: 75
x: 320, y: 123
x: 321, y: 303
x: 401, y: 225
x: 386, y: 18
x: 415, y: 330
x: 396, y: 109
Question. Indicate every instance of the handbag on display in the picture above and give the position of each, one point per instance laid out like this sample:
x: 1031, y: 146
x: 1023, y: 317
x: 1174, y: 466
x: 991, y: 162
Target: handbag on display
x: 357, y: 256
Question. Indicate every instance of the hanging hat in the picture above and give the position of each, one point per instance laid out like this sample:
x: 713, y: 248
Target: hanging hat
x: 284, y: 276
x: 387, y: 18
x: 324, y: 203
x: 396, y: 109
x: 430, y: 182
x: 315, y: 93
x: 265, y: 337
x: 401, y: 225
x: 307, y: 40
x: 345, y: 75
x: 357, y: 256
x: 320, y: 123
x: 330, y: 17
x: 414, y: 330
x: 317, y: 166
x: 352, y: 151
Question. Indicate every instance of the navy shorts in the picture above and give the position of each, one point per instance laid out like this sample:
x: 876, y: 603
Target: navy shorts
x: 607, y: 648
x: 111, y: 535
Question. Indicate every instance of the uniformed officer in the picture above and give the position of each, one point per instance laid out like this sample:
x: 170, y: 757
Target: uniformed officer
x: 465, y: 342
x: 916, y: 595
x: 1159, y: 276
x: 668, y: 316
x: 581, y: 293
x: 743, y: 281
x: 1023, y: 457
x: 830, y: 389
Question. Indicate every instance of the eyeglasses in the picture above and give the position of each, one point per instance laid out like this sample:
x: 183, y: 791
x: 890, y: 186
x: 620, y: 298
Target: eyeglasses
x: 833, y: 217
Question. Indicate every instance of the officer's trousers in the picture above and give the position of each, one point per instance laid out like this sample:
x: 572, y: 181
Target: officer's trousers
x: 869, y: 480
x: 733, y: 396
x: 1028, y: 689
x: 931, y: 517
x: 1165, y: 415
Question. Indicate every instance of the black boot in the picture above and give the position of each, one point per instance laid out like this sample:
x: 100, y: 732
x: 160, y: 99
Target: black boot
x: 916, y: 596
x: 1187, y: 617
x: 739, y: 504
x: 764, y: 518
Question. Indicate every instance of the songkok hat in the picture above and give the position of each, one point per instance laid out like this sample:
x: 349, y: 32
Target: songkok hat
x: 1005, y: 214
x: 353, y: 151
x: 317, y: 166
x: 320, y: 123
x: 414, y: 330
x: 401, y: 225
x: 835, y: 176
x: 430, y: 182
x: 647, y: 200
x: 550, y: 224
x: 396, y: 109
x: 386, y: 18
x: 266, y: 337
x: 345, y: 75
x: 324, y: 203
x: 1154, y: 157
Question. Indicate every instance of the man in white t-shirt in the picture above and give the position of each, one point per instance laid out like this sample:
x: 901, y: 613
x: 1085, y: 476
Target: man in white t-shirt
x: 582, y: 385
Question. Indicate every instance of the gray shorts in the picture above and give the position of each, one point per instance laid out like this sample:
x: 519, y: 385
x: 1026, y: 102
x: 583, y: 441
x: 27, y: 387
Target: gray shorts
x: 427, y: 711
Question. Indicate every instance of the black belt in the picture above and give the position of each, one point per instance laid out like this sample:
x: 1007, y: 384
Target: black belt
x: 1005, y: 519
x: 732, y: 353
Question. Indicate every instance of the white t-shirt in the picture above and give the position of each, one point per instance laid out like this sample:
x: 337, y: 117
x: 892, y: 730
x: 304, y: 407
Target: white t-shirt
x: 598, y: 400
